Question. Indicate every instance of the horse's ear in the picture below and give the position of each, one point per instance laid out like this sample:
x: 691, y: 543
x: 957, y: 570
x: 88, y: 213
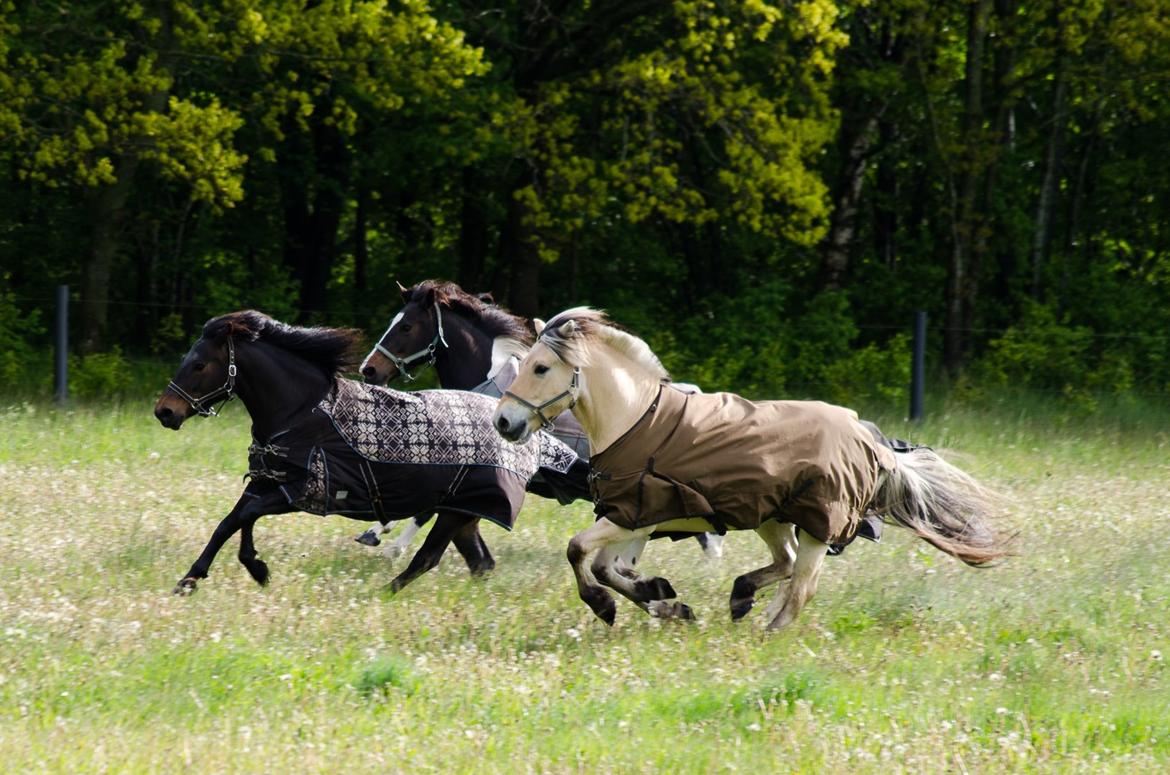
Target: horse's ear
x: 486, y: 297
x: 404, y: 291
x: 428, y: 297
x: 568, y: 328
x: 538, y: 325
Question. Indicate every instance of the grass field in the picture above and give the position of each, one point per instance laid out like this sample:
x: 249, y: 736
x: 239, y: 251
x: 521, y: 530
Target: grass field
x: 905, y: 660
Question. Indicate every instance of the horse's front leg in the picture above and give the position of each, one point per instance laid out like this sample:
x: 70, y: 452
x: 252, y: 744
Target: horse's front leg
x: 615, y: 567
x: 399, y: 545
x: 469, y: 543
x: 253, y: 504
x: 446, y: 526
x: 600, y: 534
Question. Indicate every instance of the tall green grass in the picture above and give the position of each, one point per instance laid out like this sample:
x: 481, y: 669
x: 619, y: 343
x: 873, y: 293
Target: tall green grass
x: 904, y: 661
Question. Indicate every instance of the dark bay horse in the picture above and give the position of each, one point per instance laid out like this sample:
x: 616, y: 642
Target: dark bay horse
x: 476, y: 345
x: 329, y: 445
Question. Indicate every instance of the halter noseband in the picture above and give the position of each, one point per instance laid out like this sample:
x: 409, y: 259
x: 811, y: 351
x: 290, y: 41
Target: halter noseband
x: 572, y: 392
x: 226, y: 389
x: 427, y: 352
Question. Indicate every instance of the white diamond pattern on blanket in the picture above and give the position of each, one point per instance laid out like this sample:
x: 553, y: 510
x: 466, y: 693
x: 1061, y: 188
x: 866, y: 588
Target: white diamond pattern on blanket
x: 438, y: 427
x: 312, y: 497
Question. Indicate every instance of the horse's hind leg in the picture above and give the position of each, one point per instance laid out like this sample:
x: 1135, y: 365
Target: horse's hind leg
x: 781, y: 541
x: 471, y: 545
x: 712, y: 544
x: 432, y: 549
x: 791, y: 597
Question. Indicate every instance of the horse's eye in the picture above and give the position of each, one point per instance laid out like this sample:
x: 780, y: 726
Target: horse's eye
x: 406, y: 328
x: 199, y: 366
x: 540, y: 370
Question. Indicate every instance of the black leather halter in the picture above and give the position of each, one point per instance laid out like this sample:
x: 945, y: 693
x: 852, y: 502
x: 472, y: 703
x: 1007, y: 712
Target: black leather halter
x: 429, y: 352
x: 538, y: 409
x: 224, y: 391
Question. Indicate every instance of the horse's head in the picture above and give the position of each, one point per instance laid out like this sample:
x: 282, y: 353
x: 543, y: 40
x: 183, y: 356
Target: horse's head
x: 207, y: 374
x: 547, y: 383
x: 411, y: 340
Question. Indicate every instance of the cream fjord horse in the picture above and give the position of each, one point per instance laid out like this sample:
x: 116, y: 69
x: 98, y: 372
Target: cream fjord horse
x: 830, y: 472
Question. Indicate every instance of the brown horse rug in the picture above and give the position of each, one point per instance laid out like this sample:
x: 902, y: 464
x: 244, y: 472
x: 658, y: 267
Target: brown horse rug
x: 738, y: 463
x: 376, y: 453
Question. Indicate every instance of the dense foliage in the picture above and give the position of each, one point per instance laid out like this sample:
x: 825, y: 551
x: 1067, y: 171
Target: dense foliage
x: 765, y: 190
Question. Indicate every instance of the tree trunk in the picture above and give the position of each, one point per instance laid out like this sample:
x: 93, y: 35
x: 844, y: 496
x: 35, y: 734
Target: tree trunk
x: 361, y: 250
x: 473, y: 234
x: 961, y: 278
x: 856, y: 139
x: 885, y: 201
x: 311, y: 227
x: 1053, y: 160
x: 106, y: 211
x: 519, y: 254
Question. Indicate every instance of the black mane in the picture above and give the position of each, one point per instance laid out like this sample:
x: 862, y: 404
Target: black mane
x: 495, y: 321
x: 333, y: 350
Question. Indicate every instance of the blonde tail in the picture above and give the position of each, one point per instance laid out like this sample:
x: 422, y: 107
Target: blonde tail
x: 943, y: 506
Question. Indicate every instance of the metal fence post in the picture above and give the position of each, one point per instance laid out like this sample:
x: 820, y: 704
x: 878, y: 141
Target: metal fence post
x: 61, y: 351
x: 918, y: 366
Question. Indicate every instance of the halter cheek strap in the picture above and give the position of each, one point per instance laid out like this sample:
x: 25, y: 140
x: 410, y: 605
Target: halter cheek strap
x: 572, y: 392
x: 427, y: 352
x: 225, y: 390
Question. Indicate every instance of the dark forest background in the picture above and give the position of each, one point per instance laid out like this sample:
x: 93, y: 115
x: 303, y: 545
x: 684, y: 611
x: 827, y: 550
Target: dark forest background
x: 766, y: 191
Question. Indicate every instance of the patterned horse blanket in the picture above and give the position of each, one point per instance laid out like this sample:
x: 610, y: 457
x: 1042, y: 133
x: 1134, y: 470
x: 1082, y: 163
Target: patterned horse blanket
x: 375, y: 453
x: 739, y: 463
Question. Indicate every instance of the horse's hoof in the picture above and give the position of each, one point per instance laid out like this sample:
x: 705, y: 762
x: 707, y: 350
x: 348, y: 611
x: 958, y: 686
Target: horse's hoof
x: 185, y: 587
x: 740, y: 608
x: 258, y: 569
x: 369, y: 538
x: 670, y: 609
x: 480, y: 571
x: 656, y: 588
x: 602, y: 604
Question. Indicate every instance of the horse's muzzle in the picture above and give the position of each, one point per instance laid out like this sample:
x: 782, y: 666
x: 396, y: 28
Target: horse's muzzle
x: 169, y: 416
x: 515, y: 431
x: 376, y: 369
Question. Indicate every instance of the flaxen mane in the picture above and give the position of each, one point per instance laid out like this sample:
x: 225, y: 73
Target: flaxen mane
x: 333, y: 350
x: 571, y: 343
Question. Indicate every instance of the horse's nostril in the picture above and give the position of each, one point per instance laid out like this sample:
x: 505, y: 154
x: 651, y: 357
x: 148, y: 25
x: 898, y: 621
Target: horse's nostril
x: 163, y: 413
x: 369, y: 372
x: 502, y: 424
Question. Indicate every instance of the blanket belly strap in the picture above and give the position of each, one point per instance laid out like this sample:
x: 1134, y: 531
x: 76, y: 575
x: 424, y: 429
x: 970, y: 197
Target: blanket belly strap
x: 374, y: 492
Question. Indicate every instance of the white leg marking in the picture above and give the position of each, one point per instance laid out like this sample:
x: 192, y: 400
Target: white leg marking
x: 714, y: 548
x: 394, y: 549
